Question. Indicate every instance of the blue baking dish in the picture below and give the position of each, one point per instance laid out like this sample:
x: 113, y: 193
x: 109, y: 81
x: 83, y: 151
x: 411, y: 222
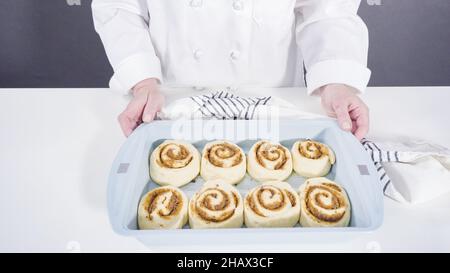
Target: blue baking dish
x: 129, y: 180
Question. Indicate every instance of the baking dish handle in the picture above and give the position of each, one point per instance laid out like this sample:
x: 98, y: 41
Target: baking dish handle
x: 367, y: 173
x: 120, y: 182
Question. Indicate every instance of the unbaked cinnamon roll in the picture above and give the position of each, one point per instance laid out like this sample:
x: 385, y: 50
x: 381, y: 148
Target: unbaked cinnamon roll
x: 269, y: 161
x: 312, y: 158
x: 272, y: 204
x: 223, y: 160
x: 174, y: 163
x: 323, y: 203
x: 216, y: 205
x: 163, y: 208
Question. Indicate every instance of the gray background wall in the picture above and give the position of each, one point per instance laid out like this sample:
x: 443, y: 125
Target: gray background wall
x: 52, y: 43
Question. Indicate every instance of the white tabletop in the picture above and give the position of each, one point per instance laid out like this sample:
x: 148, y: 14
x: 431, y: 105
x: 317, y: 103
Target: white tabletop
x: 57, y: 145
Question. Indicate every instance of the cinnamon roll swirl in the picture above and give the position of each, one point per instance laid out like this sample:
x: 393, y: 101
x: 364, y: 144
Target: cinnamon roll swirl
x: 174, y: 163
x: 312, y: 158
x: 163, y: 208
x: 323, y: 203
x: 269, y: 161
x: 216, y: 205
x: 223, y: 160
x: 272, y: 204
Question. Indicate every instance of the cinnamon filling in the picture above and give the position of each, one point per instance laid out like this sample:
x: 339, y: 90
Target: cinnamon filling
x: 224, y: 155
x: 253, y: 207
x: 174, y: 156
x: 271, y: 156
x: 333, y: 186
x: 331, y: 211
x: 209, y: 209
x: 291, y: 197
x: 312, y: 149
x: 275, y: 202
x: 171, y: 207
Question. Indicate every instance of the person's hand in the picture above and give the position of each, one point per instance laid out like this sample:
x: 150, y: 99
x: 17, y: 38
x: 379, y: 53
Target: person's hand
x: 146, y: 102
x: 342, y: 102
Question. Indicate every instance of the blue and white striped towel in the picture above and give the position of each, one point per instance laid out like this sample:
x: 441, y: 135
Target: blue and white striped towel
x: 224, y: 105
x: 420, y: 171
x: 411, y: 171
x: 379, y: 156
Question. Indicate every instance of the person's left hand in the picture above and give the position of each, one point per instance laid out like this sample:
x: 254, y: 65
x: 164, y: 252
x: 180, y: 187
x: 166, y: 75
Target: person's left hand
x: 342, y: 102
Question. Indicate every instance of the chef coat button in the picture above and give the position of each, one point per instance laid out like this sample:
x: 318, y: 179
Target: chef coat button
x: 198, y: 54
x: 196, y: 3
x: 235, y: 55
x: 238, y: 5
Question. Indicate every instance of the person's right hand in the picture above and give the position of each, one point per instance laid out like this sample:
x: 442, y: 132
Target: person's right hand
x: 146, y: 102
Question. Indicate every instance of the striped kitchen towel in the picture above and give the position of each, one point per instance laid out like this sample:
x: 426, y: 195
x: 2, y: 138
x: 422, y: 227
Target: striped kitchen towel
x: 379, y: 156
x: 225, y: 105
x: 411, y: 171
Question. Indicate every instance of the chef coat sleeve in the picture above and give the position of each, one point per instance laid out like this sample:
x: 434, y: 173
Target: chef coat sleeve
x: 334, y: 43
x: 123, y: 29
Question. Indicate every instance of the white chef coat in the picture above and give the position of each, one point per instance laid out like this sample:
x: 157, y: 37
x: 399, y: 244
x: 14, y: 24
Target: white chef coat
x: 234, y: 42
